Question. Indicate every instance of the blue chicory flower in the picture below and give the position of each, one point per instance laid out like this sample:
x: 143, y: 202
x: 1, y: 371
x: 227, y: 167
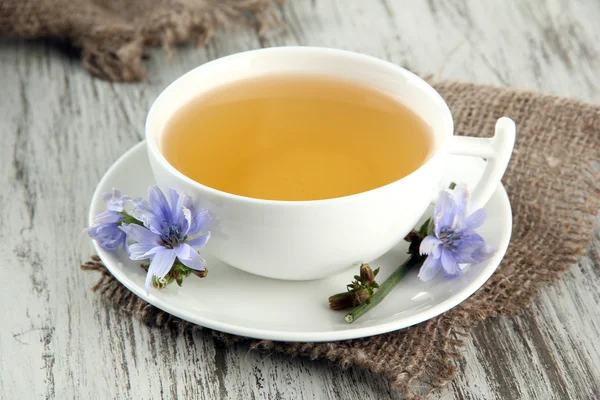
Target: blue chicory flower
x: 166, y: 233
x: 454, y: 240
x: 106, y: 230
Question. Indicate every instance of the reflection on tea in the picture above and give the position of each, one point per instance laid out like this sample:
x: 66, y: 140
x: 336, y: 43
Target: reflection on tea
x: 295, y: 137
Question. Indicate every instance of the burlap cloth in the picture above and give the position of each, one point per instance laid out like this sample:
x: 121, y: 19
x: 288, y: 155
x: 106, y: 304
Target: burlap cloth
x: 551, y: 181
x: 112, y: 34
x: 554, y: 192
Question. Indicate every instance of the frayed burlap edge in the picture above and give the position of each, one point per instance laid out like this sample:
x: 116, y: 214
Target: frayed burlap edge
x: 119, y: 57
x: 554, y: 190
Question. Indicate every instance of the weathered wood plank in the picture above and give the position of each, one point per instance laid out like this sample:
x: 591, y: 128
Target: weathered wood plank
x: 62, y: 129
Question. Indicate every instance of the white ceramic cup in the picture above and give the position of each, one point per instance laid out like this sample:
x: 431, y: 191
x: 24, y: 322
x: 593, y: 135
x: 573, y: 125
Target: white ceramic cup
x: 301, y: 240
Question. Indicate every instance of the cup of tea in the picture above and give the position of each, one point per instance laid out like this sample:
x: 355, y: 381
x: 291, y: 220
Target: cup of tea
x: 310, y: 160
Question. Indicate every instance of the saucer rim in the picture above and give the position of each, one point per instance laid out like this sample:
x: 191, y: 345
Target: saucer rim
x: 487, y: 270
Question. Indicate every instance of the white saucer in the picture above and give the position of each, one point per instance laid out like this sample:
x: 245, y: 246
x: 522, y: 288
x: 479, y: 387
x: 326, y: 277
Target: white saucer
x: 236, y: 302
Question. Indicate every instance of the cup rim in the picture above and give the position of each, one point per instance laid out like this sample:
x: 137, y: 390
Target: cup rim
x: 152, y: 146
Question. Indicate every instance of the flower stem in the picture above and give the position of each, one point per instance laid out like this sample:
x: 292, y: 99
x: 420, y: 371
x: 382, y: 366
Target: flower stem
x: 384, y: 289
x: 128, y: 219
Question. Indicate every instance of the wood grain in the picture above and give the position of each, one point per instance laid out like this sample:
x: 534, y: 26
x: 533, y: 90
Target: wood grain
x: 62, y: 129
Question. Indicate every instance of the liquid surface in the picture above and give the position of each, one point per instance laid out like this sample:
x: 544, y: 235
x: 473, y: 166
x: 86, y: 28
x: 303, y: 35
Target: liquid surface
x: 295, y: 137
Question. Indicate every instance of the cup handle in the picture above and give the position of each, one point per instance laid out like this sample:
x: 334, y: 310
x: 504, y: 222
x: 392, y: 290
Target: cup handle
x: 496, y: 150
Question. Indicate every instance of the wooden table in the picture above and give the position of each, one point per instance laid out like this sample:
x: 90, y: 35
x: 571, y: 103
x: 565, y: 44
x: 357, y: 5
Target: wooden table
x: 61, y: 129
